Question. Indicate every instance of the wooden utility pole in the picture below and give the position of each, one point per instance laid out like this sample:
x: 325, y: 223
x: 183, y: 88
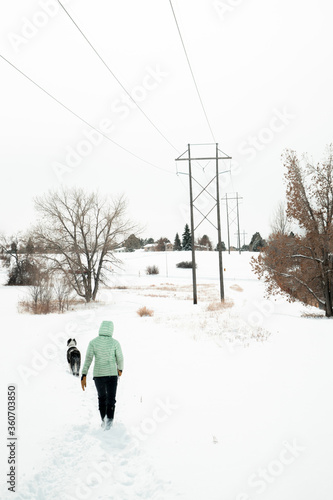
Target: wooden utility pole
x: 219, y: 245
x: 194, y: 272
x: 233, y: 214
x: 238, y: 230
x: 228, y: 229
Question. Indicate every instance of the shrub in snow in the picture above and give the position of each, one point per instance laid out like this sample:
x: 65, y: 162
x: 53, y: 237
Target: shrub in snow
x: 236, y: 287
x: 152, y: 270
x: 143, y: 311
x: 187, y: 264
x: 63, y: 295
x: 218, y: 305
x: 47, y: 297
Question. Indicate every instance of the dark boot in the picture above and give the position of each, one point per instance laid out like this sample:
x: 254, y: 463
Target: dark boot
x: 109, y: 417
x: 108, y: 423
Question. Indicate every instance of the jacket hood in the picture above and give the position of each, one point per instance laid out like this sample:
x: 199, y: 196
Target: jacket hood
x: 106, y: 329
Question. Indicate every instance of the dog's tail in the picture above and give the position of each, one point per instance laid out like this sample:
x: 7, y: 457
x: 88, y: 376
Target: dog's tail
x: 77, y: 364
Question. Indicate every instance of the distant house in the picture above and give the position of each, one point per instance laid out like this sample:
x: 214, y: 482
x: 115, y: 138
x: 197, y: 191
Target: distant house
x: 203, y: 248
x: 150, y: 247
x: 153, y: 247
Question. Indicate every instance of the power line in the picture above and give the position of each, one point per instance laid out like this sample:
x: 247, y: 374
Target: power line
x: 193, y: 77
x: 115, y: 77
x: 82, y: 119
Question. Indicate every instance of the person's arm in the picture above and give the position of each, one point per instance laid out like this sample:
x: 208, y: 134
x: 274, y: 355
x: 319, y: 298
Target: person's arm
x: 86, y: 366
x: 119, y: 359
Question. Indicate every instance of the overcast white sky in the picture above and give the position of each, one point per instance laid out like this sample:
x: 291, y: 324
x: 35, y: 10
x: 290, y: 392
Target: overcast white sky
x: 263, y: 68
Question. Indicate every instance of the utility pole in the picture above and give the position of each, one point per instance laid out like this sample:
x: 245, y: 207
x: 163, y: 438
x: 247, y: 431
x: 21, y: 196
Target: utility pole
x: 166, y: 259
x: 194, y: 272
x: 216, y: 199
x: 232, y: 211
x: 219, y: 224
x: 239, y: 248
x: 244, y: 233
x: 227, y: 211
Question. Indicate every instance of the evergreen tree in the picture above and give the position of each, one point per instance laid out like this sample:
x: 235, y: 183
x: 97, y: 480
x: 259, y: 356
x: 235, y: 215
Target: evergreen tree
x: 257, y: 243
x: 132, y: 243
x: 223, y: 247
x: 146, y: 241
x: 187, y: 238
x: 177, y: 244
x: 22, y: 269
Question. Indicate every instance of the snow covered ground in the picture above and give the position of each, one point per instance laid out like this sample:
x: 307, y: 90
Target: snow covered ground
x: 216, y: 404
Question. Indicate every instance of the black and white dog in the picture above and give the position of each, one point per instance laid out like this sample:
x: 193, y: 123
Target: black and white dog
x: 73, y: 357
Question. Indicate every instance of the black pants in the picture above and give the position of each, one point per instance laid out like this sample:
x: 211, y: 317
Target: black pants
x: 106, y: 389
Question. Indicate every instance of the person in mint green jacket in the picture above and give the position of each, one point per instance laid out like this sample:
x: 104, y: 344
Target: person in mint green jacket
x: 108, y: 366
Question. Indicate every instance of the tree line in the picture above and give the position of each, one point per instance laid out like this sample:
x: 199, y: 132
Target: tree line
x: 133, y: 243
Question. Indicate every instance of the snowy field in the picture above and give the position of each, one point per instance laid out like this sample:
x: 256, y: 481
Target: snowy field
x: 214, y: 404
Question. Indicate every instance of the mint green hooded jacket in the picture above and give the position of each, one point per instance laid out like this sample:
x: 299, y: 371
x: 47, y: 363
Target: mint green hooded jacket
x: 107, y: 351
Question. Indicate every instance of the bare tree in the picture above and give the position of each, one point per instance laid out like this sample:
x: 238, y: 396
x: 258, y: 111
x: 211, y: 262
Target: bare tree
x: 62, y: 293
x: 204, y: 241
x: 301, y: 266
x: 80, y: 232
x: 280, y: 223
x: 161, y: 244
x: 41, y: 295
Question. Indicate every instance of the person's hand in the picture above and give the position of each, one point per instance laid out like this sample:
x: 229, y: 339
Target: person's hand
x: 120, y: 372
x: 83, y: 382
